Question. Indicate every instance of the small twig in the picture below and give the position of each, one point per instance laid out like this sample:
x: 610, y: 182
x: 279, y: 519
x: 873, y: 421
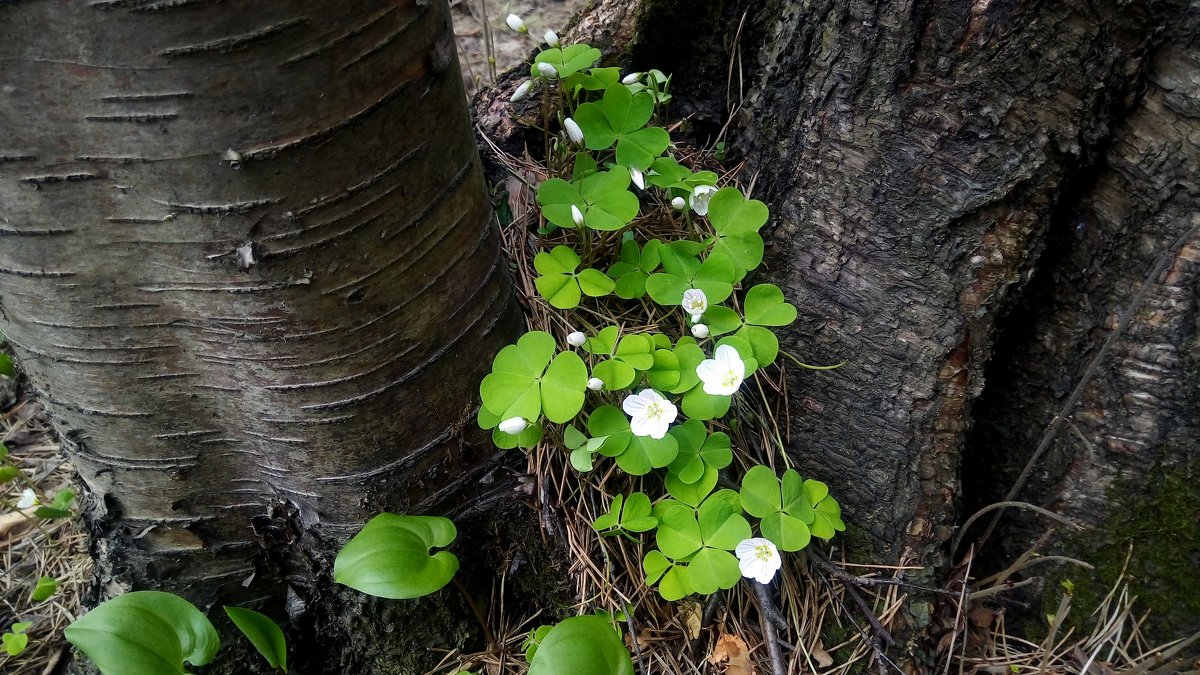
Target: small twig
x: 880, y: 632
x: 1002, y: 505
x: 637, y: 649
x: 487, y: 632
x: 767, y: 613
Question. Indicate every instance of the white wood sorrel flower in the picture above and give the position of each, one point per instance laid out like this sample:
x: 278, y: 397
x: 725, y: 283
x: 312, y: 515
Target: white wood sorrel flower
x: 758, y: 559
x: 695, y: 302
x: 28, y: 499
x: 723, y: 374
x: 513, y: 425
x: 649, y: 413
x: 699, y: 198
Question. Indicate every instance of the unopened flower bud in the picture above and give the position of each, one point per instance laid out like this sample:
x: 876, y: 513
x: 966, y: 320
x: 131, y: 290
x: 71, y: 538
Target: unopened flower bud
x: 700, y: 331
x: 573, y: 130
x: 631, y: 78
x: 547, y: 71
x: 513, y: 425
x: 515, y: 23
x: 678, y: 204
x: 576, y: 339
x: 638, y: 179
x: 551, y: 38
x: 577, y: 216
x: 595, y: 384
x: 522, y: 91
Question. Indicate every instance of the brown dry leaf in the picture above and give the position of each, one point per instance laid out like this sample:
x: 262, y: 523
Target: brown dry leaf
x: 823, y: 658
x: 690, y: 614
x: 732, y: 650
x: 982, y: 617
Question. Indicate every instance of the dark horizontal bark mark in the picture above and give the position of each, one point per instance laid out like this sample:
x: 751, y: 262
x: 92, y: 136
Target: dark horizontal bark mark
x: 326, y: 201
x: 379, y: 46
x: 432, y: 358
x: 218, y: 209
x: 36, y: 274
x: 16, y: 157
x: 60, y: 178
x: 312, y: 138
x: 9, y: 232
x: 130, y: 98
x: 136, y: 118
x: 138, y: 6
x: 338, y: 39
x: 235, y: 42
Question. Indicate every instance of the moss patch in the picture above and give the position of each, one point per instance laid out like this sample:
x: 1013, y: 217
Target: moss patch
x: 1160, y: 517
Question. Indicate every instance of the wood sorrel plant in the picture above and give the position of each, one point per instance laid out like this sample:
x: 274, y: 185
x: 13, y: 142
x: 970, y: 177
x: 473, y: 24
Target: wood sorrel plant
x: 651, y: 401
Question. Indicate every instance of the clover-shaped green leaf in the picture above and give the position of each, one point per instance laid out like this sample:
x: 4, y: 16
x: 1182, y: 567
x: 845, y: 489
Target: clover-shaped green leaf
x: 737, y: 221
x: 682, y: 271
x: 698, y: 450
x: 145, y: 632
x: 566, y: 61
x: 703, y: 537
x: 621, y: 117
x: 636, y: 455
x: 524, y: 382
x: 582, y: 448
x: 670, y: 175
x: 678, y: 535
x: 632, y: 514
x: 602, y: 198
x: 781, y: 504
x: 670, y: 576
x: 765, y: 306
x: 561, y: 285
x: 827, y: 512
x: 390, y: 558
x: 634, y: 266
x: 595, y: 79
x: 695, y: 492
x: 626, y: 356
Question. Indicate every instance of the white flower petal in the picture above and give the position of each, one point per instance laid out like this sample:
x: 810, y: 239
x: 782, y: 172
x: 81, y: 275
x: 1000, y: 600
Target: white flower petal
x: 641, y: 425
x: 634, y: 405
x: 28, y: 499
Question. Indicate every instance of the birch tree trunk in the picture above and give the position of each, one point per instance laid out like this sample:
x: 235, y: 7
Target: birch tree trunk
x: 247, y: 263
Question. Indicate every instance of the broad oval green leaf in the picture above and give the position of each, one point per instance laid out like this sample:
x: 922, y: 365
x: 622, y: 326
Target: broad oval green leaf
x: 563, y: 387
x: 390, y: 558
x: 582, y: 645
x: 145, y: 632
x: 263, y: 633
x: 765, y: 306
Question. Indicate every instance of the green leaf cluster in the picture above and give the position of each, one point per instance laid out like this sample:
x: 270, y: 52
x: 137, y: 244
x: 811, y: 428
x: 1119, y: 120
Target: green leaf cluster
x: 792, y: 510
x: 559, y: 282
x: 694, y: 545
x: 527, y: 380
x: 623, y: 356
x: 620, y: 118
x: 603, y: 197
x: 764, y: 306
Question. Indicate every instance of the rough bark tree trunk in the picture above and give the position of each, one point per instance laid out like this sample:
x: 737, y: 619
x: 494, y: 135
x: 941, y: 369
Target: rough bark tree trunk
x: 941, y: 173
x: 248, y: 264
